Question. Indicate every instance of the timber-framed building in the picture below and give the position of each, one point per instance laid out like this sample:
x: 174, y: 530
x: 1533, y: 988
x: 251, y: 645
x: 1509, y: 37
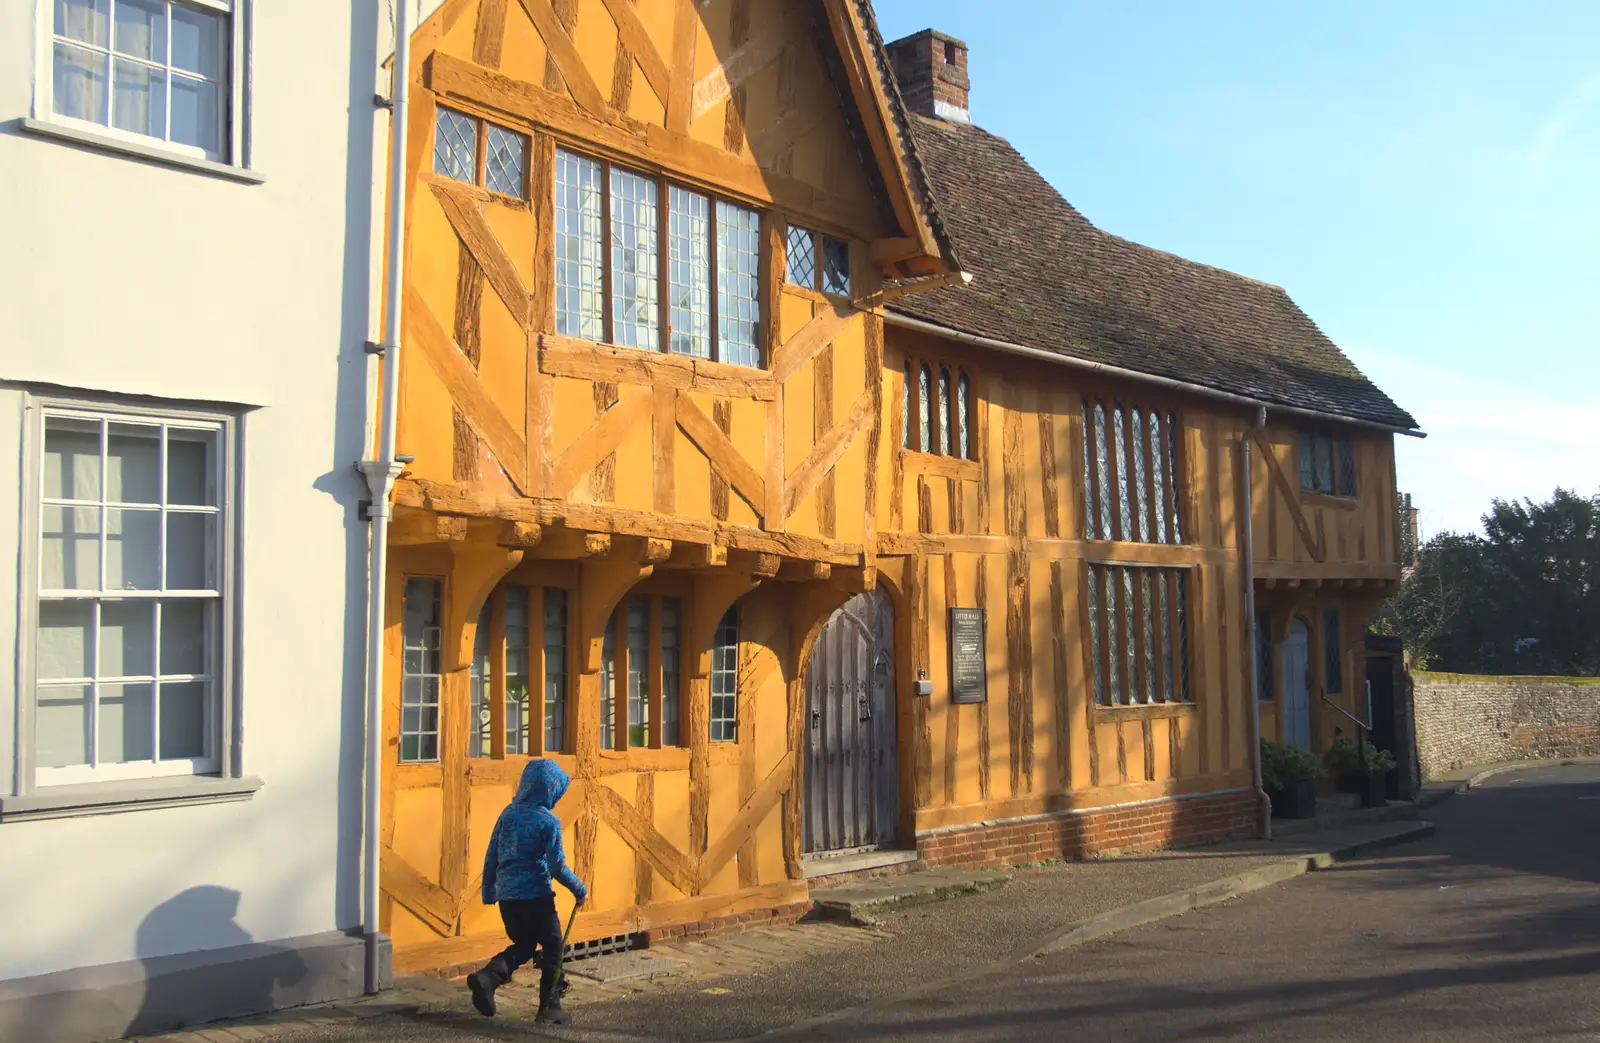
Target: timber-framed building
x: 725, y: 490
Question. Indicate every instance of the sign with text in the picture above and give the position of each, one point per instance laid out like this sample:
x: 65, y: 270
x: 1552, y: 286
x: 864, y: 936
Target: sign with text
x: 969, y: 669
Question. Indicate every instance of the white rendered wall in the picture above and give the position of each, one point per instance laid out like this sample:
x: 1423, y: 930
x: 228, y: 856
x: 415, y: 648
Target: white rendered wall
x: 122, y: 276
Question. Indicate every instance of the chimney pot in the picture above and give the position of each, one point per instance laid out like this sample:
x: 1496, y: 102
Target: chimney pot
x: 931, y: 68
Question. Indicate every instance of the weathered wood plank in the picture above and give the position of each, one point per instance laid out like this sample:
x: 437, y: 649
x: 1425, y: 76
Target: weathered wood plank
x: 465, y: 388
x: 664, y: 419
x: 564, y: 52
x: 749, y: 818
x: 804, y: 479
x: 474, y: 231
x: 724, y: 455
x: 822, y: 420
x: 631, y: 32
x: 812, y: 338
x: 598, y: 441
x: 488, y: 35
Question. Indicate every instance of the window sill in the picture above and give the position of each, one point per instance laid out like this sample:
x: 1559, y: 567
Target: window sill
x: 149, y: 153
x: 110, y: 798
x: 1139, y: 711
x: 918, y: 462
x: 562, y: 356
x: 1343, y: 503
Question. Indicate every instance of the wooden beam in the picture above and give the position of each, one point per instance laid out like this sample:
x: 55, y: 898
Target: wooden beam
x: 680, y: 93
x: 854, y: 578
x: 723, y: 454
x: 757, y: 563
x: 426, y: 899
x: 520, y: 534
x: 887, y: 252
x: 489, y: 34
x: 561, y: 356
x: 449, y: 527
x: 812, y: 338
x: 566, y: 56
x: 803, y: 571
x: 803, y: 480
x: 599, y: 441
x: 638, y: 42
x: 1291, y: 499
x: 749, y: 818
x: 465, y: 388
x: 558, y: 542
x: 467, y: 219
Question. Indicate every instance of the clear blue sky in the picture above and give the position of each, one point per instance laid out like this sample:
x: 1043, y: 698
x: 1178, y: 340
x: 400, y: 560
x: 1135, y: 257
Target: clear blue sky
x: 1422, y: 177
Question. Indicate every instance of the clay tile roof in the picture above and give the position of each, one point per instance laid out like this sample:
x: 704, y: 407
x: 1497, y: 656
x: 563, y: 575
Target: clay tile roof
x: 1046, y: 278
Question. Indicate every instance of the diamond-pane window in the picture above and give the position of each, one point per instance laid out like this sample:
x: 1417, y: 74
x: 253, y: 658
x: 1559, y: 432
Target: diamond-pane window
x: 1347, y: 468
x: 506, y: 162
x: 455, y: 146
x: 725, y: 679
x: 802, y: 257
x: 835, y: 266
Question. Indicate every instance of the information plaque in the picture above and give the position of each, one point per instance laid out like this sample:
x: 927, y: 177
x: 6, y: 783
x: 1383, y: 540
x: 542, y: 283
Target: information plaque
x: 969, y: 671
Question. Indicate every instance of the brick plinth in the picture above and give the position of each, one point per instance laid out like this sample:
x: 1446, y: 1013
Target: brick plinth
x: 1120, y: 830
x: 777, y: 916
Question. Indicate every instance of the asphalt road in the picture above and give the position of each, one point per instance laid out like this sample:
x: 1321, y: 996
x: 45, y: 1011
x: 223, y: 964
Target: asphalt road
x: 1488, y: 931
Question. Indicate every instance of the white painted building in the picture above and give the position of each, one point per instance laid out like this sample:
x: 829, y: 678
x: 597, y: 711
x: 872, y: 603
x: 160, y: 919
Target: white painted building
x: 187, y: 262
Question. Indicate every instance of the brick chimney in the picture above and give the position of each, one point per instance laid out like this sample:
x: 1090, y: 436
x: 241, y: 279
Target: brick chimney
x: 932, y: 70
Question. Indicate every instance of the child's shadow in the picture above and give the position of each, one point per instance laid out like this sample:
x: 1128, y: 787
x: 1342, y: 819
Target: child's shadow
x: 230, y: 977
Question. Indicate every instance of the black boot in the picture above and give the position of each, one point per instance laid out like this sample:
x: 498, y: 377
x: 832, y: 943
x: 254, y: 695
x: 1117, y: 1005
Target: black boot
x: 483, y: 984
x: 550, y: 1012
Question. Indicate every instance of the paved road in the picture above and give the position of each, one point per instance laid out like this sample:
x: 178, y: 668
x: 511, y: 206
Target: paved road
x: 1489, y: 931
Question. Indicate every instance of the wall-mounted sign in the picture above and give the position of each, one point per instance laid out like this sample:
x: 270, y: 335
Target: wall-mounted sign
x: 969, y: 669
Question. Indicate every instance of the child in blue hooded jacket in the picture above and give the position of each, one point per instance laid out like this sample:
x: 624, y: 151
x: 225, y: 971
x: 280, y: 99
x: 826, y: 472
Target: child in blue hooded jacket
x: 523, y: 860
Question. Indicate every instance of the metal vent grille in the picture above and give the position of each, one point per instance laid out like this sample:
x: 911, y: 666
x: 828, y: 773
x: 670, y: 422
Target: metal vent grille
x: 603, y: 946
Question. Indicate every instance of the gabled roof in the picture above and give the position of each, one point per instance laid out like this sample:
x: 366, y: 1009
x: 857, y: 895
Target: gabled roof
x: 867, y: 68
x: 1046, y: 278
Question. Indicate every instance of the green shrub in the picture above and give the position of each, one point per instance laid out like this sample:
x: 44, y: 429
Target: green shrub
x: 1282, y: 766
x: 1344, y: 758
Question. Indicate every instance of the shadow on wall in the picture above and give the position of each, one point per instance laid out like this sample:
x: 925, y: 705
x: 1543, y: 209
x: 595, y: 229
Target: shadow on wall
x: 196, y: 987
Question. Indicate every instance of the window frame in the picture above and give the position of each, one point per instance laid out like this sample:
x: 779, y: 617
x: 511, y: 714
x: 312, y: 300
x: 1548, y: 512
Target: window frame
x: 1103, y: 517
x: 819, y: 245
x: 481, y: 125
x: 664, y: 182
x: 495, y: 680
x: 237, y: 139
x: 1182, y: 595
x: 1338, y: 445
x: 944, y: 423
x: 101, y: 786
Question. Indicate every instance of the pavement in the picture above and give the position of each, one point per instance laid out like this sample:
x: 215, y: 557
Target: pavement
x: 820, y: 976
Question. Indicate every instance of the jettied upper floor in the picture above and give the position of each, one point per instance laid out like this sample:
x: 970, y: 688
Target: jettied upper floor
x: 647, y: 245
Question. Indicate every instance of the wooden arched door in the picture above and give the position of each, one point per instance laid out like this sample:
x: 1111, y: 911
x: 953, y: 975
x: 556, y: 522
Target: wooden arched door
x: 851, y: 772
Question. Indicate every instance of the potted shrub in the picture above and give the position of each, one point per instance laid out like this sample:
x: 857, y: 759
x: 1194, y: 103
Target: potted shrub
x: 1360, y: 767
x: 1289, y: 775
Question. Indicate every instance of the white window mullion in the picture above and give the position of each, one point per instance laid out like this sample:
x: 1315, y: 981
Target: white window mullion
x: 94, y: 689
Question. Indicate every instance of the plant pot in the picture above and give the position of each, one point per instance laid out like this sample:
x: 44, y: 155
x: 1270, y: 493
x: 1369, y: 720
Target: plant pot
x: 1296, y: 800
x: 1348, y: 782
x: 1374, y: 790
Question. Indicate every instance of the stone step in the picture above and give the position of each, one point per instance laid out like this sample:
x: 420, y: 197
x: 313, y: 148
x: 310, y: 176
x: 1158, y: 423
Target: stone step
x: 854, y: 903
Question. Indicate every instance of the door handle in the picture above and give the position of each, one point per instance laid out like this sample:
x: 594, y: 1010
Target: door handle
x: 816, y: 718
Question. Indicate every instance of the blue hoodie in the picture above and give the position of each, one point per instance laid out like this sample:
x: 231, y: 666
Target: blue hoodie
x: 524, y: 853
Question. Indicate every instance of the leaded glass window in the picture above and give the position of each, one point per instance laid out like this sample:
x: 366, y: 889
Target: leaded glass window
x: 579, y: 276
x: 835, y: 266
x: 1327, y: 464
x: 608, y: 682
x: 925, y: 385
x: 1347, y: 467
x: 801, y: 257
x: 517, y: 716
x: 638, y: 671
x: 725, y: 679
x: 634, y: 256
x: 420, y: 672
x: 1332, y: 651
x: 455, y: 146
x: 478, y: 687
x: 944, y: 412
x: 671, y: 665
x: 1138, y: 648
x: 1130, y: 479
x: 966, y: 450
x: 738, y: 284
x: 905, y: 412
x: 555, y: 670
x: 689, y: 256
x: 506, y: 162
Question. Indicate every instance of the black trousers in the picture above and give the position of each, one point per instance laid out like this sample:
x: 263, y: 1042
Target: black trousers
x: 533, y: 927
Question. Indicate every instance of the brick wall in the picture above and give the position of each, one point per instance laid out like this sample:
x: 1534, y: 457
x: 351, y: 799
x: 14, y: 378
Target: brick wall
x: 1111, y: 831
x: 1463, y: 719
